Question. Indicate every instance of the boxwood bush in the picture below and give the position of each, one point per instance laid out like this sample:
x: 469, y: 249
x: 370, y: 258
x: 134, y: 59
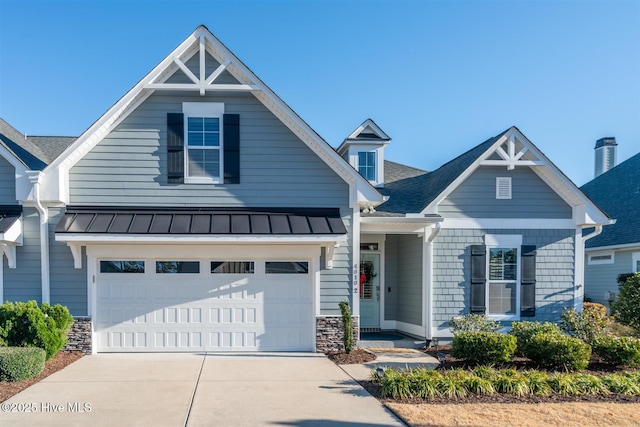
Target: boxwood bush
x: 623, y: 351
x: 25, y: 324
x: 20, y: 363
x: 484, y: 347
x: 552, y: 350
x: 524, y: 331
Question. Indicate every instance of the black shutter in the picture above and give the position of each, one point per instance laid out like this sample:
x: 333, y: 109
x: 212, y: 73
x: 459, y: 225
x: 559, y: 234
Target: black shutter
x: 231, y: 148
x: 175, y: 148
x: 478, y: 278
x: 528, y: 282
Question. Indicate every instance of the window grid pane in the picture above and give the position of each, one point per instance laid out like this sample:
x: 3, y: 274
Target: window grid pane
x: 503, y: 264
x: 502, y: 298
x: 232, y: 267
x: 284, y: 267
x: 177, y: 267
x: 121, y: 266
x: 367, y: 165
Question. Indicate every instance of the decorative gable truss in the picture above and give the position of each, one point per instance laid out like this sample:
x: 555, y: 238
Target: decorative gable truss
x: 512, y: 152
x: 214, y: 71
x: 512, y: 149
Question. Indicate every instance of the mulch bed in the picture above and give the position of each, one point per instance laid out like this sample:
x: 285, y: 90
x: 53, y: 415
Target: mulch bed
x: 356, y: 356
x: 595, y: 368
x: 59, y: 361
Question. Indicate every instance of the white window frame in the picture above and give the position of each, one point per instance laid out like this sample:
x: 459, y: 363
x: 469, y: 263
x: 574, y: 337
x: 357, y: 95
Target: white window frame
x: 593, y: 255
x: 503, y: 182
x: 493, y: 241
x: 374, y: 164
x: 635, y: 258
x: 208, y: 110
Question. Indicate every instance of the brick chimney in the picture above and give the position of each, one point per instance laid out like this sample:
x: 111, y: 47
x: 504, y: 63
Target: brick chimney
x: 606, y: 155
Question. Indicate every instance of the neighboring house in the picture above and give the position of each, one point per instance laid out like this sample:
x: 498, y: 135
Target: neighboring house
x: 201, y: 213
x: 616, y: 250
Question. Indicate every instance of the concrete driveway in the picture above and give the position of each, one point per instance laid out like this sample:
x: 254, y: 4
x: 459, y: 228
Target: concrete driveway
x: 274, y: 389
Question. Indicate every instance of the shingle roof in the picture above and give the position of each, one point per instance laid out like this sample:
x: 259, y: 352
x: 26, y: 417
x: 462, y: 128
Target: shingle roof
x: 617, y: 192
x: 35, y: 152
x: 410, y: 190
x: 210, y: 221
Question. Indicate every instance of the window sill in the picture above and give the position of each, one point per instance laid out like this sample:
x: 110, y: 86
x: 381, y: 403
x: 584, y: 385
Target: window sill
x: 202, y: 181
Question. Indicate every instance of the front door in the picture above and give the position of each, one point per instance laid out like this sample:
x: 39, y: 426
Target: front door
x: 370, y: 290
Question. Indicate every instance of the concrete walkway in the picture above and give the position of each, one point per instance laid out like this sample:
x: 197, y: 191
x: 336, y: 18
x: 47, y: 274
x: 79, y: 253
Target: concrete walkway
x: 273, y: 389
x: 405, y: 359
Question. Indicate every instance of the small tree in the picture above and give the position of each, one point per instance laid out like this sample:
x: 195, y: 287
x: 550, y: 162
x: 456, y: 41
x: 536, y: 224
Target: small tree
x: 347, y: 326
x: 627, y: 307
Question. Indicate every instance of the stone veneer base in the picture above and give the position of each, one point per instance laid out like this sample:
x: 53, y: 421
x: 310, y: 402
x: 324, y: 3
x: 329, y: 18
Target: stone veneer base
x: 329, y: 333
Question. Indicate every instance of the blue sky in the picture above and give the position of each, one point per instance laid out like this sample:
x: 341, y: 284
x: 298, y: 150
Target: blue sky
x: 438, y: 76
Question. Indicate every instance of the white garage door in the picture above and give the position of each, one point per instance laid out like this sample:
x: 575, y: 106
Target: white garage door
x: 146, y: 305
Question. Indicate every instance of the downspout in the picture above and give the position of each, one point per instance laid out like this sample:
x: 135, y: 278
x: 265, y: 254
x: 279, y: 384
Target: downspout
x: 429, y: 323
x: 577, y: 300
x: 35, y: 177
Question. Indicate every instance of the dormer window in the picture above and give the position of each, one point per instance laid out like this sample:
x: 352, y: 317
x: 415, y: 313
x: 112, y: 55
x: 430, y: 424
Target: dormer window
x: 364, y: 150
x: 367, y: 165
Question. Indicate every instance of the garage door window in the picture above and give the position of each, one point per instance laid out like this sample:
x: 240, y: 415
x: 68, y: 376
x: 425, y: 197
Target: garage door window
x: 121, y: 266
x: 284, y: 267
x: 173, y: 267
x: 232, y: 267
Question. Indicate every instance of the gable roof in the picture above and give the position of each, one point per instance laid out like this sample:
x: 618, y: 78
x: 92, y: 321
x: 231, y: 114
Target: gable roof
x: 18, y: 145
x: 617, y: 191
x: 202, y: 42
x: 35, y: 152
x: 411, y: 190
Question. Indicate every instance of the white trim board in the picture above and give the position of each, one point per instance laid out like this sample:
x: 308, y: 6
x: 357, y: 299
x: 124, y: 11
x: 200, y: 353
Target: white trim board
x: 509, y: 223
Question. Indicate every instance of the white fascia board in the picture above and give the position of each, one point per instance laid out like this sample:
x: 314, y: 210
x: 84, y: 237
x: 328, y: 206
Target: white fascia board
x: 87, y: 238
x: 509, y: 223
x: 625, y: 247
x: 433, y: 206
x: 14, y: 234
x: 22, y: 184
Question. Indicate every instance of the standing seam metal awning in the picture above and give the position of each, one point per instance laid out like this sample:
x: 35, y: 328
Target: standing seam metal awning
x: 201, y: 221
x: 83, y: 225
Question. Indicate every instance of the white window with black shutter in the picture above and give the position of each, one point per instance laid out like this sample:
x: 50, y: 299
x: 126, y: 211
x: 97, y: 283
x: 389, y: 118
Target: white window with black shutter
x: 503, y: 278
x: 203, y: 145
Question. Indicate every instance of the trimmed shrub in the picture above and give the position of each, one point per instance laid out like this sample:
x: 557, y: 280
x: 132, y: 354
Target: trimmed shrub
x: 20, y: 363
x: 25, y: 324
x: 484, y: 347
x: 473, y: 323
x: 586, y: 325
x: 559, y: 351
x: 524, y: 331
x: 623, y: 351
x: 347, y: 326
x: 625, y: 309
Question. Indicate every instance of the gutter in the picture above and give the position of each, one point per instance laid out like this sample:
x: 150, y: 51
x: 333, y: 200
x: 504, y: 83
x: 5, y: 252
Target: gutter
x: 35, y: 177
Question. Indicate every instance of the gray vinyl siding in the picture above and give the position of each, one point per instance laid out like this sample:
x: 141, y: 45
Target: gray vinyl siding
x: 390, y: 285
x: 68, y: 286
x: 555, y: 252
x: 23, y: 282
x: 531, y: 197
x: 7, y: 183
x: 600, y: 278
x: 408, y: 278
x: 129, y: 167
x: 335, y: 284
